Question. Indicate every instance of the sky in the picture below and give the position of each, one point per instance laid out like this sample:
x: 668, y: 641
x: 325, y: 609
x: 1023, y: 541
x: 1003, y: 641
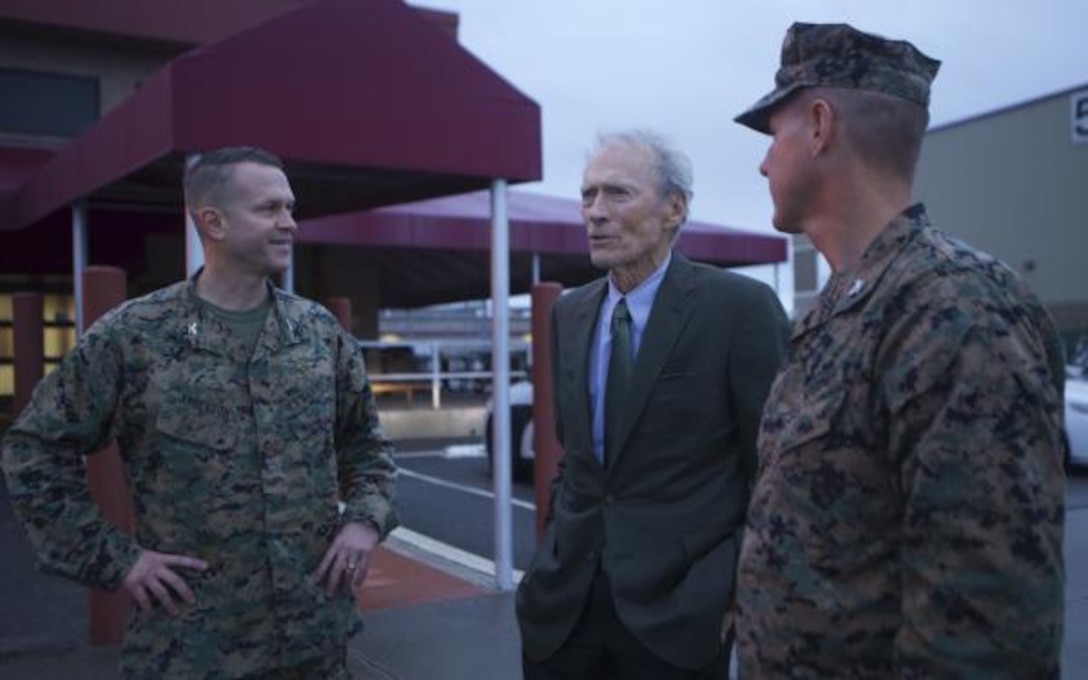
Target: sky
x: 685, y: 68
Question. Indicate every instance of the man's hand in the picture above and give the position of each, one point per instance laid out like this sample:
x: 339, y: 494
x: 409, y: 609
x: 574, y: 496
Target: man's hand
x: 153, y: 576
x: 348, y: 558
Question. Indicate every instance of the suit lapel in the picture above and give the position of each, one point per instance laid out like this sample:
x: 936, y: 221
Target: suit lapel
x: 670, y: 313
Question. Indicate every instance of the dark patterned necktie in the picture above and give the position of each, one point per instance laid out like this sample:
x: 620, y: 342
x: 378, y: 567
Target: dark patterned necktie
x: 618, y: 384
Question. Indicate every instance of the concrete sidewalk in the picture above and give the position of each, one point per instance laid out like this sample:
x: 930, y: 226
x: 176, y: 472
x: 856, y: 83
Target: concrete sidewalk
x: 426, y: 618
x: 1075, y: 649
x: 426, y: 624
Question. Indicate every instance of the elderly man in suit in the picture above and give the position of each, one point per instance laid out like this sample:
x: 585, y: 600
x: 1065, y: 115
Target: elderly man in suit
x: 660, y: 371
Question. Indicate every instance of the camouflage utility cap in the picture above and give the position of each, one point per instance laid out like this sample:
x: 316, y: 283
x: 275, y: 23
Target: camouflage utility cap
x: 839, y: 55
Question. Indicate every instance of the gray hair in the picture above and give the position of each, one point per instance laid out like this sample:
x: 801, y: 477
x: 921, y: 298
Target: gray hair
x: 673, y: 166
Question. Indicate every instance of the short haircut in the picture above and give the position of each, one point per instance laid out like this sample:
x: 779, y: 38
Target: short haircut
x: 207, y: 174
x: 885, y: 131
x: 672, y: 165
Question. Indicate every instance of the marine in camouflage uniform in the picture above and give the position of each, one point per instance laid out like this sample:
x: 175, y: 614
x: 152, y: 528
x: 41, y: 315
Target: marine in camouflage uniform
x: 237, y: 452
x: 907, y: 518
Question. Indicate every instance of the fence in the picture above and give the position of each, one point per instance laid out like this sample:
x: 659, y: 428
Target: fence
x: 440, y: 367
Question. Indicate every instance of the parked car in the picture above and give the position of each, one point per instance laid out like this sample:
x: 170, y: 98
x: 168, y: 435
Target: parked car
x: 521, y: 431
x: 1076, y: 419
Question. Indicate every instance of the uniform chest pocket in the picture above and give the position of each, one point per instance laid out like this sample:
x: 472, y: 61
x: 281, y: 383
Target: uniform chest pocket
x: 790, y: 422
x: 197, y: 448
x: 203, y: 423
x: 309, y: 411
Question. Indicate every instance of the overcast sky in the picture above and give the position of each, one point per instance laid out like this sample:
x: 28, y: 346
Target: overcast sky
x: 686, y: 67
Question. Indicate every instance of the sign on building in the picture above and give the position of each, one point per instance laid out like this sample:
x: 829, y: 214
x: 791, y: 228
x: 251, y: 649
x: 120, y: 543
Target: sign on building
x: 1079, y: 102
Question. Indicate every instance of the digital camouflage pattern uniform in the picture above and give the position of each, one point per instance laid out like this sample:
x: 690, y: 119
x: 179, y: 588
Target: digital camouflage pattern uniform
x: 234, y: 458
x: 907, y: 515
x: 839, y: 55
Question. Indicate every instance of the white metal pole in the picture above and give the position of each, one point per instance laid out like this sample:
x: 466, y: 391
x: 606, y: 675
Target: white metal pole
x: 436, y: 382
x: 500, y: 385
x: 194, y: 252
x: 79, y: 259
x: 536, y: 268
x: 288, y: 282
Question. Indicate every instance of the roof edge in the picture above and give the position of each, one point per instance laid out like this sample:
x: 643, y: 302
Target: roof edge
x: 131, y: 146
x: 1007, y: 108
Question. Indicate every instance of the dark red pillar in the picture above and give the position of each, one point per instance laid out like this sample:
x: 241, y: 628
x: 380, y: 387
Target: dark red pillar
x: 28, y: 327
x: 545, y: 446
x: 341, y: 309
x: 104, y: 289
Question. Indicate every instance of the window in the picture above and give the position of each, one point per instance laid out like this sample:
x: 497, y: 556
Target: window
x: 47, y: 103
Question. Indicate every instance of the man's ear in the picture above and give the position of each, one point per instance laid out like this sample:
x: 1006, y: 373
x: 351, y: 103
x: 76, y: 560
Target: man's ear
x: 209, y: 222
x: 821, y: 124
x: 677, y: 207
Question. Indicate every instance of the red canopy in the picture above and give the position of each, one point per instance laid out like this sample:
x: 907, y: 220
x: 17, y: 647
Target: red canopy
x: 423, y: 253
x: 437, y: 250
x: 187, y: 23
x: 368, y: 101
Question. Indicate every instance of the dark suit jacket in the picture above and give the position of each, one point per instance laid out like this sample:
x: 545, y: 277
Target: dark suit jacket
x: 664, y: 517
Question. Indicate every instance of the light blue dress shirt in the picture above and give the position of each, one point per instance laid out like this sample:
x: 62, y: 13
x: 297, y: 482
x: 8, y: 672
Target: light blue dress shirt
x: 639, y: 302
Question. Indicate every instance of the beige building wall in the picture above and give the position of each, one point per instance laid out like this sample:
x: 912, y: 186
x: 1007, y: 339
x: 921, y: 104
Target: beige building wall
x: 1014, y: 183
x: 119, y: 68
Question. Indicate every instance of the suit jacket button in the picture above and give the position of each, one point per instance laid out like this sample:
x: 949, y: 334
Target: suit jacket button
x: 609, y: 499
x: 592, y: 556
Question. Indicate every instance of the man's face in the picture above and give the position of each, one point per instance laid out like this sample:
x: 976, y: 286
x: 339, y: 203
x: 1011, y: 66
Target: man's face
x: 786, y: 166
x: 258, y: 225
x: 628, y: 221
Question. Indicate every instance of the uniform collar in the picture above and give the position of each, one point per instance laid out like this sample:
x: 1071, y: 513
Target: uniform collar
x: 204, y: 332
x: 848, y: 288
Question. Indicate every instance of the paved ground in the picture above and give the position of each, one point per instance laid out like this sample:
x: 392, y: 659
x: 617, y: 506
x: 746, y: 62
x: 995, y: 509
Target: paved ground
x: 426, y: 618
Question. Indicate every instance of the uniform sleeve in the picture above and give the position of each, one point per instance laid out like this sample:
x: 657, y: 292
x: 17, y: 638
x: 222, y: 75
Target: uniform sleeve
x: 758, y: 349
x: 69, y: 416
x: 364, y: 454
x: 975, y: 426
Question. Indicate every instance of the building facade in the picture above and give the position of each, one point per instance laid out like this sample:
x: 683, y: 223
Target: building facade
x: 1010, y: 182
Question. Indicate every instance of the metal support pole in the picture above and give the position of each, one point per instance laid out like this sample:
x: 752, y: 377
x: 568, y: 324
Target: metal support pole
x: 194, y: 252
x: 288, y: 282
x: 536, y: 269
x: 436, y: 381
x: 79, y: 259
x: 500, y: 385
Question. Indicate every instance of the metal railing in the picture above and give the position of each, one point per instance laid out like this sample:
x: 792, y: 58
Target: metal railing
x: 470, y: 357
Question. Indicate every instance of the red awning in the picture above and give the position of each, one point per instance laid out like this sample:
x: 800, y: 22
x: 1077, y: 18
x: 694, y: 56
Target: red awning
x: 369, y: 102
x: 191, y: 22
x: 437, y: 250
x: 421, y: 253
